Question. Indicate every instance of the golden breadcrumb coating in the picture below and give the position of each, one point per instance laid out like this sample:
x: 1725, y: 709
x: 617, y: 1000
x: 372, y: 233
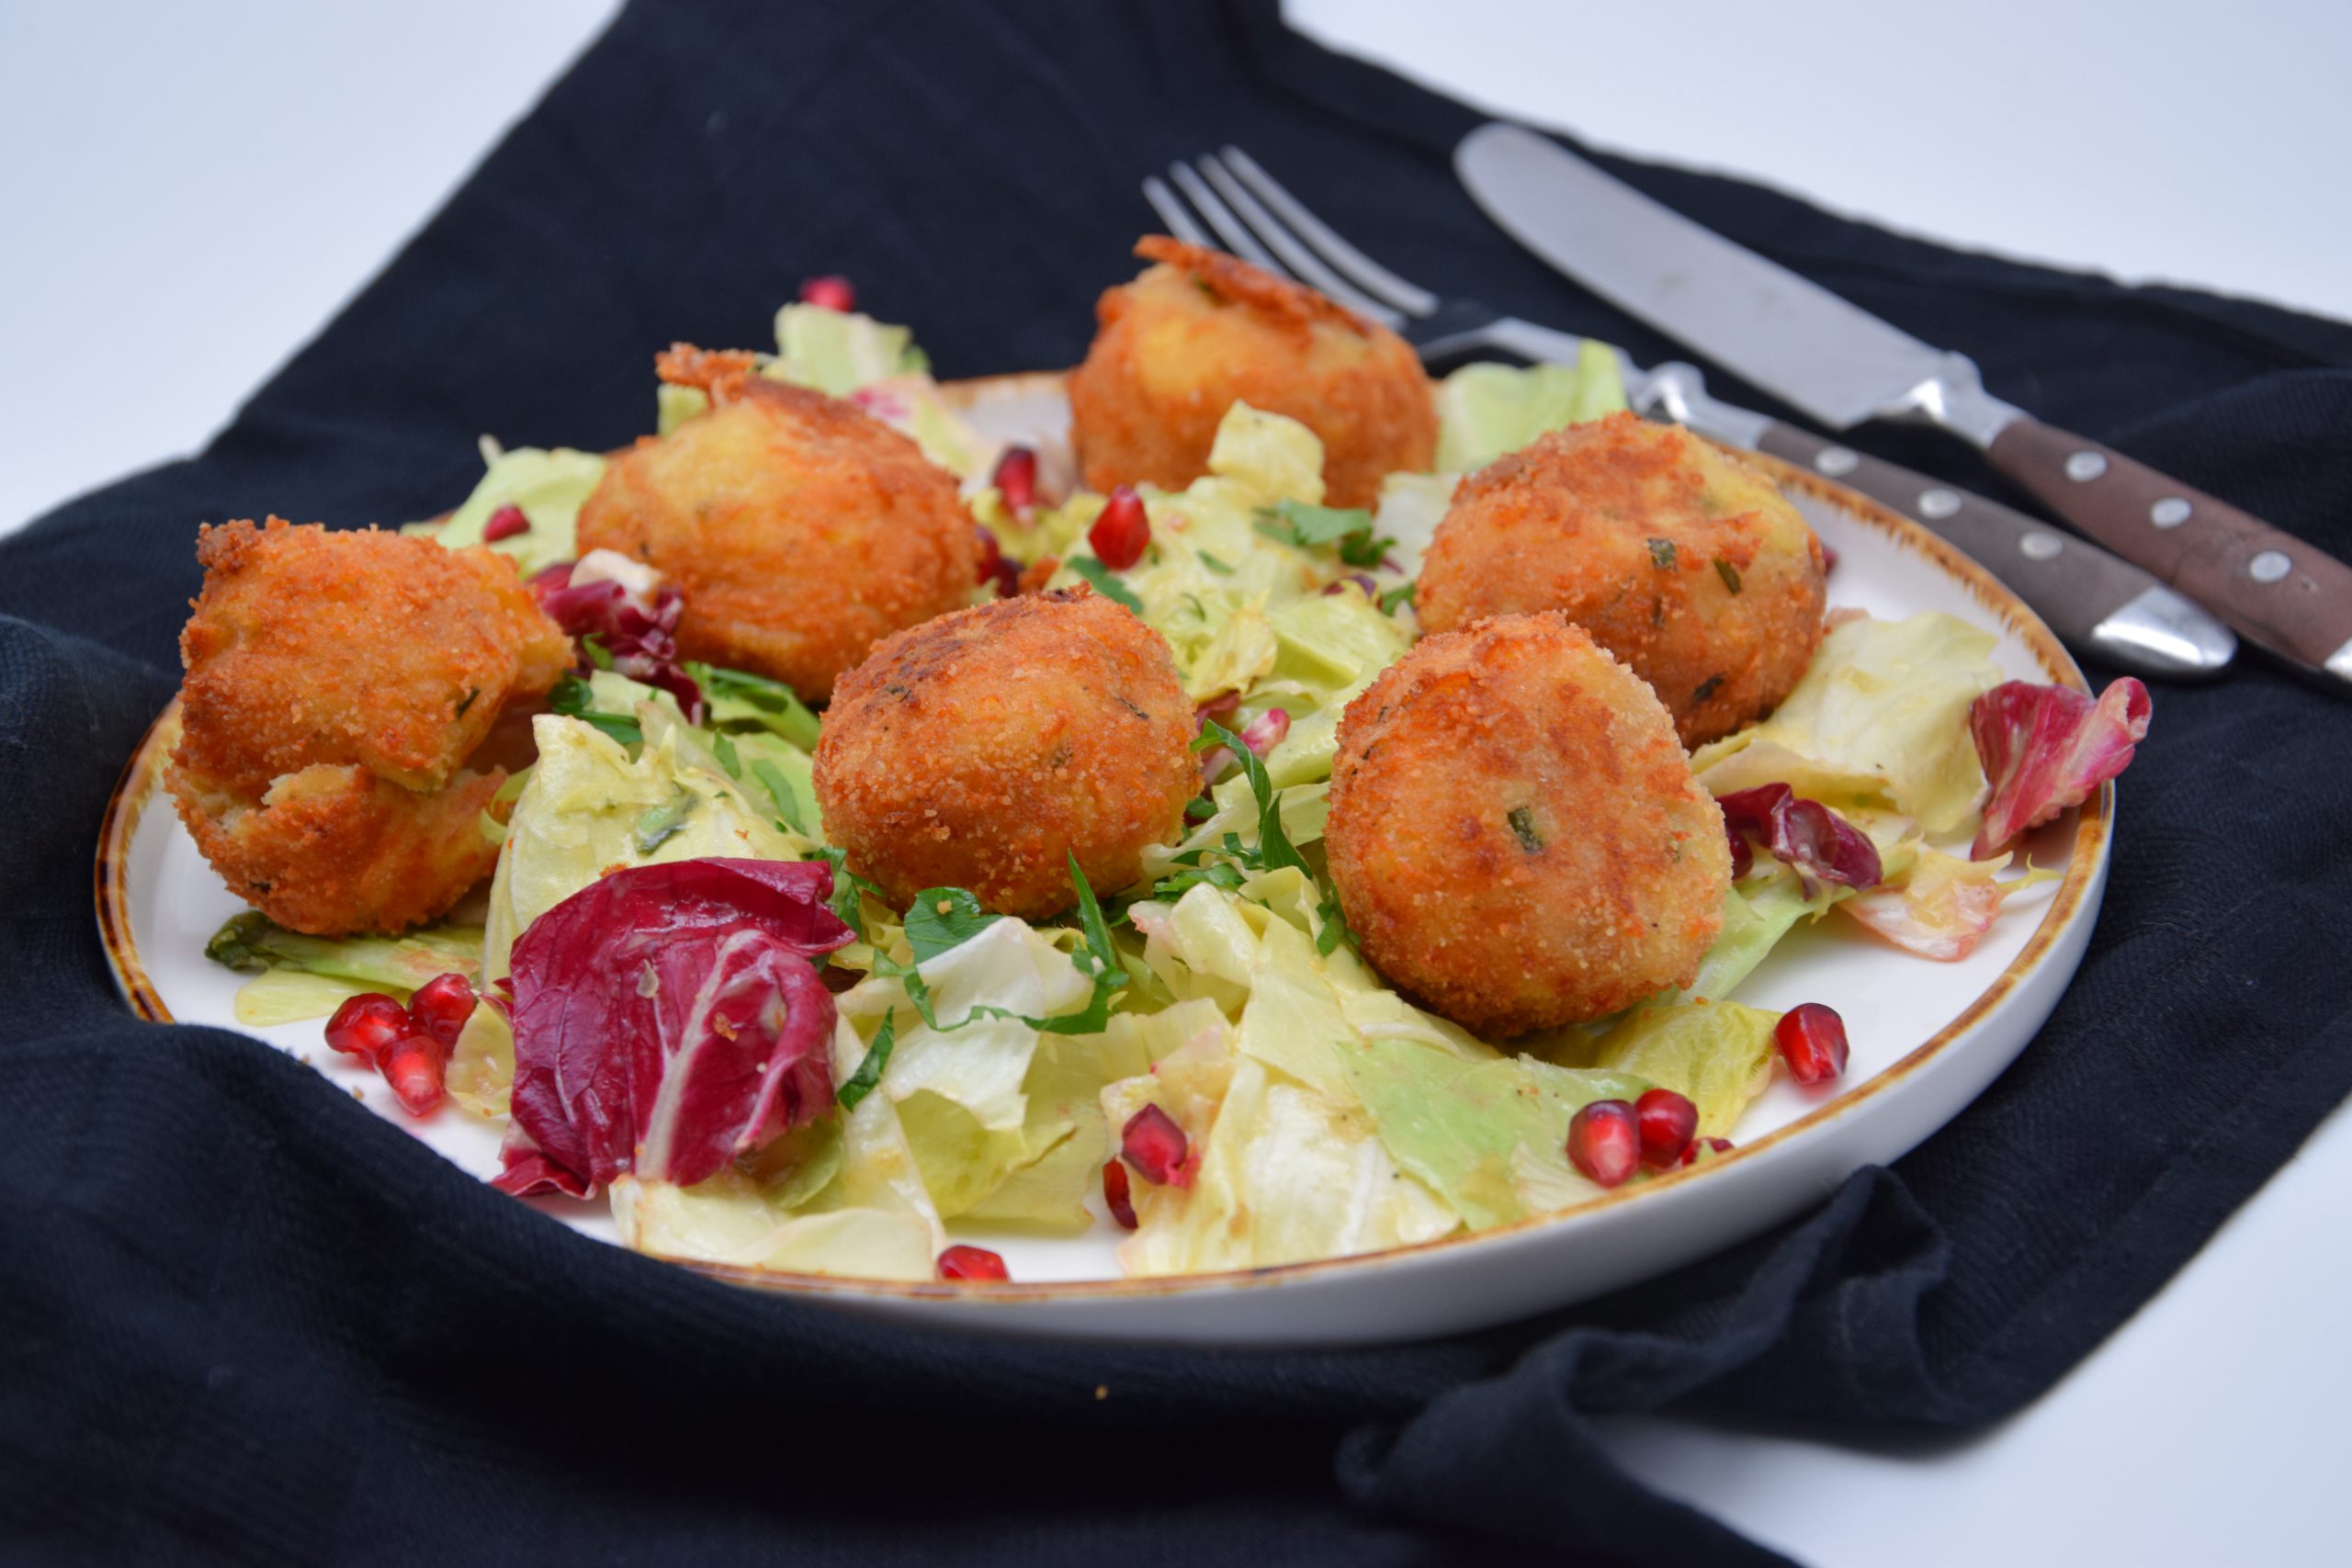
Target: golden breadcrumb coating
x: 1515, y: 834
x: 336, y: 682
x: 1203, y: 331
x: 800, y: 529
x: 980, y: 749
x: 1681, y: 559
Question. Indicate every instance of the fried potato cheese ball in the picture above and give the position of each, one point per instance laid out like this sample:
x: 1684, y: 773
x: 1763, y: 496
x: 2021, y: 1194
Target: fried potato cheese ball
x: 800, y: 529
x: 1678, y: 557
x: 337, y: 684
x: 982, y: 748
x: 1202, y: 331
x: 1515, y: 834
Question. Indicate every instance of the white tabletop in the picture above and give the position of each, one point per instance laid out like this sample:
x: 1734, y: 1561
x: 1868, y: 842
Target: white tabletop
x: 191, y: 191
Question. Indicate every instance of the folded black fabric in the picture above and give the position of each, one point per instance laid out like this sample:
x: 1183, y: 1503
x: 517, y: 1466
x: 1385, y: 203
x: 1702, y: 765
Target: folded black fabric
x: 242, y: 1318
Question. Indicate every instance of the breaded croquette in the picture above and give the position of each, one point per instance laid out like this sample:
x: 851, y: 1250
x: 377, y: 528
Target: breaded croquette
x: 983, y: 749
x: 336, y: 684
x: 1515, y: 835
x: 1678, y: 557
x: 801, y: 530
x: 1203, y: 331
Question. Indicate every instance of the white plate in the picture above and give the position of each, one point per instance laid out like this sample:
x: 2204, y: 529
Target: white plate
x: 1927, y: 1037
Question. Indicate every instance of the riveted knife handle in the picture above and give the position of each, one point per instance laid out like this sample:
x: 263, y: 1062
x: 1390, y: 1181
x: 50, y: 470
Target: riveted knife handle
x: 2279, y: 591
x: 2084, y: 594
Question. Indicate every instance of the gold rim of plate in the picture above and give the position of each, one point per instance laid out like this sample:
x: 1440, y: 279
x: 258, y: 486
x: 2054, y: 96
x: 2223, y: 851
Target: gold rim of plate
x: 136, y: 789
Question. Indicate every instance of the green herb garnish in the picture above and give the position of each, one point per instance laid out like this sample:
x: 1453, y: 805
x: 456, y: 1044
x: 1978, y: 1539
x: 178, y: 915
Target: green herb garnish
x: 1303, y: 527
x: 1275, y: 848
x: 1105, y: 582
x: 779, y: 788
x: 943, y: 917
x: 660, y: 823
x: 1662, y: 554
x: 1728, y: 572
x: 868, y: 1077
x: 1400, y: 594
x: 573, y: 698
x: 1522, y: 823
x: 723, y: 749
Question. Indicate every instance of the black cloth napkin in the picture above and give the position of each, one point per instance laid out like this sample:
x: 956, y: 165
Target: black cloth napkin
x: 242, y: 1318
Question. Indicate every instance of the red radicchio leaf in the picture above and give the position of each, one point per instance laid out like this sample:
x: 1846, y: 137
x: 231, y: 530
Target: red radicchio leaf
x: 667, y: 1019
x: 2046, y: 748
x: 642, y: 638
x: 1821, y: 845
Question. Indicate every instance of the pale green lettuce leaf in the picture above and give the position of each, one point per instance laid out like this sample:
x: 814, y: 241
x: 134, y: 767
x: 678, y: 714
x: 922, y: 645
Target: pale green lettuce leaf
x: 1880, y: 719
x: 1460, y: 1127
x: 1487, y: 410
x: 589, y: 805
x: 1716, y: 1054
x: 839, y: 351
x: 550, y: 486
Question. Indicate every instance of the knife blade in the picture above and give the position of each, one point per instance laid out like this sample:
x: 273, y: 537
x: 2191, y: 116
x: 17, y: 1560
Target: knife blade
x: 1843, y: 366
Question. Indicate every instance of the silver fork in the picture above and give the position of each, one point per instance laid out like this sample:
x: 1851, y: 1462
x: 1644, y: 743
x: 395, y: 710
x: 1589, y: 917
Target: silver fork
x: 2095, y: 601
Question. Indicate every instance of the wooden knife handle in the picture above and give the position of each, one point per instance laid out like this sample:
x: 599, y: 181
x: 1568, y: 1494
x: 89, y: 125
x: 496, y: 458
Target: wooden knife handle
x: 2071, y: 583
x: 2277, y: 591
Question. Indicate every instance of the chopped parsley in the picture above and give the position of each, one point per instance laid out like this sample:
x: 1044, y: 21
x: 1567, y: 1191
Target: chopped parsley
x: 779, y: 788
x: 1105, y: 582
x: 1400, y: 594
x: 943, y: 917
x: 573, y: 699
x: 1522, y: 824
x: 1662, y: 554
x: 868, y: 1077
x: 1706, y: 688
x: 1296, y: 524
x: 660, y: 823
x: 1728, y: 572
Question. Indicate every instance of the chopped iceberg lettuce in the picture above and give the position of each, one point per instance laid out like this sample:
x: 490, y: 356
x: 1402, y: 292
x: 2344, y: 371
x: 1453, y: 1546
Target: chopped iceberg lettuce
x: 839, y: 351
x: 1880, y: 718
x: 1718, y: 1055
x: 1485, y: 411
x: 550, y: 486
x: 590, y: 806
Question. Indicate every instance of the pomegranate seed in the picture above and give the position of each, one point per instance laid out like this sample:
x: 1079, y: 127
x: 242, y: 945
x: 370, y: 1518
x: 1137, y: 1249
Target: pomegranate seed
x: 971, y: 1263
x: 1605, y: 1143
x: 1157, y: 1148
x: 505, y: 523
x: 1667, y: 1121
x: 1704, y: 1145
x: 1265, y: 732
x: 1016, y: 481
x: 413, y: 1066
x: 830, y: 292
x: 441, y: 1007
x: 367, y: 1025
x: 1120, y: 535
x: 1813, y: 1042
x: 1116, y: 1194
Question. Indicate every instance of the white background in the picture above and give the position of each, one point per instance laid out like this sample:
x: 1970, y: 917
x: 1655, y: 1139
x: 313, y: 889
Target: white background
x: 187, y: 192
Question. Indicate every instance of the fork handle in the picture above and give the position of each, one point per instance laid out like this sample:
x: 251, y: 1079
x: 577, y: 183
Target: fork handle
x: 2099, y: 603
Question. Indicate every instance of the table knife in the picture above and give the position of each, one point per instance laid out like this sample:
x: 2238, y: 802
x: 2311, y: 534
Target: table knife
x: 1842, y: 366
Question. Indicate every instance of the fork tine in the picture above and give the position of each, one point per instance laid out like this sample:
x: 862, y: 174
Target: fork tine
x: 1366, y: 273
x: 1304, y: 263
x: 1237, y: 236
x: 1171, y: 212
